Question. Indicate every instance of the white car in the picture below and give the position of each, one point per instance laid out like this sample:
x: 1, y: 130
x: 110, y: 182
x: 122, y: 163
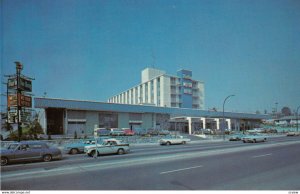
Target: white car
x: 173, y: 139
x: 109, y: 146
x: 254, y: 138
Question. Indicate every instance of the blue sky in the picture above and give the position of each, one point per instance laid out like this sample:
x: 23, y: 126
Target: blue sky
x: 94, y: 49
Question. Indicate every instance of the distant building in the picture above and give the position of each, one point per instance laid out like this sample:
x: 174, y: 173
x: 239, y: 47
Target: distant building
x: 160, y: 89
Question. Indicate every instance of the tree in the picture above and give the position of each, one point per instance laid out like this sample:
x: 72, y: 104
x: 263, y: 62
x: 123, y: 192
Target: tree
x: 36, y: 128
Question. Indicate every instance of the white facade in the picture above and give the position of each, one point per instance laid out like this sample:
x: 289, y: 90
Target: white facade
x: 160, y: 89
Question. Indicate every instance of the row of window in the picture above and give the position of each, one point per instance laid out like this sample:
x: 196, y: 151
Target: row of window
x: 128, y: 97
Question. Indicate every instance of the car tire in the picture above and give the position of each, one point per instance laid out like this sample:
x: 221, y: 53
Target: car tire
x: 168, y: 143
x: 121, y: 151
x: 93, y: 153
x: 183, y: 142
x: 244, y: 141
x: 254, y: 141
x: 74, y: 151
x: 4, y: 161
x: 47, y: 158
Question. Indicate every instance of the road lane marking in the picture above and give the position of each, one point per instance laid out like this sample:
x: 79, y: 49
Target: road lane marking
x: 166, y: 172
x: 258, y: 156
x: 6, y: 176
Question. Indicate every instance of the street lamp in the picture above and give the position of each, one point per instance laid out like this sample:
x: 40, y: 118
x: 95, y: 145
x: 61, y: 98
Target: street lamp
x: 223, y: 122
x: 297, y: 117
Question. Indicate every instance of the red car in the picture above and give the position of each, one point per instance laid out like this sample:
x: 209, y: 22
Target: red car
x: 128, y: 132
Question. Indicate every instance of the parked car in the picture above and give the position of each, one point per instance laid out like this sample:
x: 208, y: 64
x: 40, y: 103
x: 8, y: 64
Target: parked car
x: 103, y: 132
x: 128, y: 132
x: 236, y: 137
x: 254, y: 138
x: 173, y: 139
x: 116, y: 132
x: 141, y: 132
x: 163, y: 132
x: 152, y: 132
x: 109, y: 146
x: 29, y: 151
x: 78, y: 147
x: 293, y: 133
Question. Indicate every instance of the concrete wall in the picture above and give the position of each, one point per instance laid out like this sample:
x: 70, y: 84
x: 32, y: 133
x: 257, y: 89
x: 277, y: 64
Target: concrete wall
x: 92, y: 119
x: 150, y: 73
x: 123, y: 120
x: 147, y: 121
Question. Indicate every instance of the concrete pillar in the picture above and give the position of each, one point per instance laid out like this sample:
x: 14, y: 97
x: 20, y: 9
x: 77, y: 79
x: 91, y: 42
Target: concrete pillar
x: 155, y: 91
x: 153, y: 120
x: 190, y: 125
x: 138, y: 100
x: 228, y: 124
x: 65, y: 122
x: 218, y: 123
x: 203, y: 119
x: 45, y: 122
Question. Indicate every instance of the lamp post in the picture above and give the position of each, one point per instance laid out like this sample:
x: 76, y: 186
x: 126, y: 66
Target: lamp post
x: 223, y: 121
x: 297, y: 117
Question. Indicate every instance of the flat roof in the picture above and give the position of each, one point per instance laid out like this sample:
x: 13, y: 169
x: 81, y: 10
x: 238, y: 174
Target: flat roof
x: 44, y: 103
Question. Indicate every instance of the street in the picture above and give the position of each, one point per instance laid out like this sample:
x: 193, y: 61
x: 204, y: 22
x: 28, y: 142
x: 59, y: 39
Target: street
x: 223, y: 165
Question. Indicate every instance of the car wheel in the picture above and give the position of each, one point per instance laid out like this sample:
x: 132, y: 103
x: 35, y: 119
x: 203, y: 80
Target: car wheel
x: 183, y: 142
x: 121, y: 151
x: 254, y: 141
x: 93, y: 153
x: 74, y: 151
x: 168, y: 143
x: 244, y: 141
x: 47, y: 158
x: 4, y: 161
x: 265, y: 139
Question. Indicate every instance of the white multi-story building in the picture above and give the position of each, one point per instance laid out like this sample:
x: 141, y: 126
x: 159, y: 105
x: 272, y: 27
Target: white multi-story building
x: 160, y: 89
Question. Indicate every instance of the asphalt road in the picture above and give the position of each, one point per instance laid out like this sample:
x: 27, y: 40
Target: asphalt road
x: 224, y: 165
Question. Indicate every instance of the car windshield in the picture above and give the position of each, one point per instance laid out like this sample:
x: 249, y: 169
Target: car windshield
x: 12, y: 146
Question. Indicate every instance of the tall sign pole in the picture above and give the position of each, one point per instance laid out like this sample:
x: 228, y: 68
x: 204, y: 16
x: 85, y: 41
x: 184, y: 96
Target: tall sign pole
x: 19, y: 67
x: 19, y: 101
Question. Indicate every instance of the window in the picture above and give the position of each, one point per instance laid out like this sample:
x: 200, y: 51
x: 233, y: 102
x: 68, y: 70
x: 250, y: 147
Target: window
x: 36, y: 146
x: 187, y: 91
x: 186, y: 84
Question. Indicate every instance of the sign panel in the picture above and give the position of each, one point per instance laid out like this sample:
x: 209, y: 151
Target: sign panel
x: 12, y: 117
x: 22, y: 100
x: 24, y: 85
x: 12, y: 83
x: 24, y: 117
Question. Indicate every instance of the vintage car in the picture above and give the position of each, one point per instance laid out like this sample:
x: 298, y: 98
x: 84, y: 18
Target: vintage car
x: 78, y: 147
x: 254, y: 138
x: 116, y: 132
x: 108, y: 146
x: 293, y: 133
x: 29, y: 151
x: 128, y: 132
x: 173, y: 139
